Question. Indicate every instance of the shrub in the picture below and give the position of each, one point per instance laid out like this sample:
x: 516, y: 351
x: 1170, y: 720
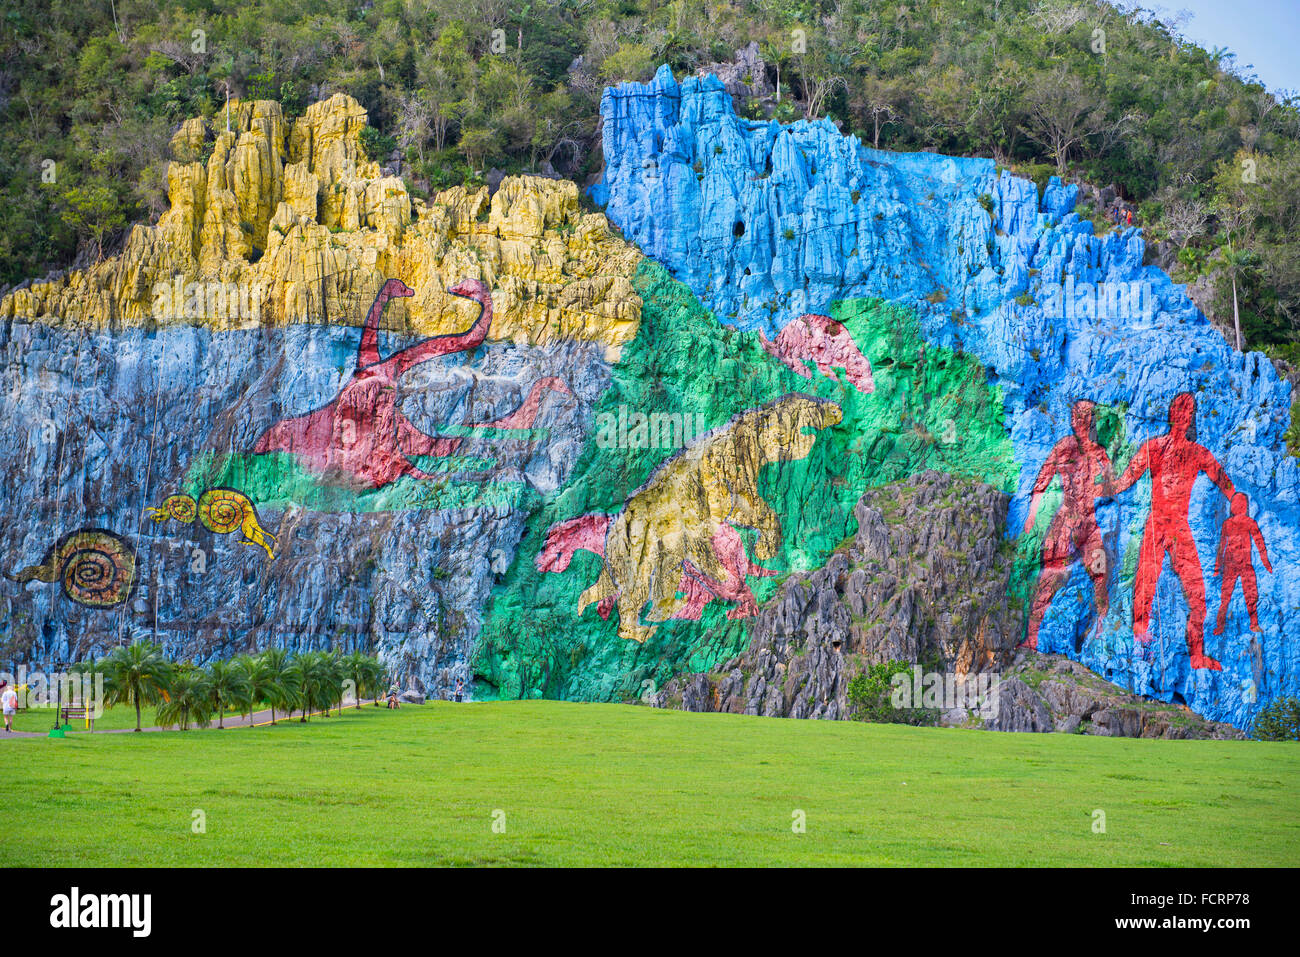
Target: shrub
x: 378, y: 145
x: 1280, y: 721
x: 869, y: 697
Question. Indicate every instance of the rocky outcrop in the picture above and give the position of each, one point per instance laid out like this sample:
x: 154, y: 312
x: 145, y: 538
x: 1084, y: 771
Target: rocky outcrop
x: 400, y: 484
x: 744, y: 76
x: 925, y: 578
x: 1053, y: 693
x: 155, y: 372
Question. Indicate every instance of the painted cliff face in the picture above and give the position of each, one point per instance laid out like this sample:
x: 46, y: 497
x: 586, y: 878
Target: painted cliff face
x: 825, y: 343
x: 361, y: 436
x: 1118, y: 570
x: 675, y: 544
x: 441, y: 494
x: 320, y: 481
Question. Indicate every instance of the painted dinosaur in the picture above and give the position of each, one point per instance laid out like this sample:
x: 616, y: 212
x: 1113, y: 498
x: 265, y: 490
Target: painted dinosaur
x: 827, y: 344
x: 524, y: 416
x: 361, y: 433
x: 677, y: 532
x: 587, y: 533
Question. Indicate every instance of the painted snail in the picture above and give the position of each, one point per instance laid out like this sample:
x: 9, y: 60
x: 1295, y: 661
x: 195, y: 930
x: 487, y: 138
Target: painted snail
x: 221, y: 510
x: 95, y: 566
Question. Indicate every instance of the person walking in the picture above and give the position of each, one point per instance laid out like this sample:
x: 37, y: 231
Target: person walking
x: 8, y: 704
x: 1074, y: 535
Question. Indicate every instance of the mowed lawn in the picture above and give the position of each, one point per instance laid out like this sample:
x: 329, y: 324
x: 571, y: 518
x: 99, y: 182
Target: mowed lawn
x: 589, y: 784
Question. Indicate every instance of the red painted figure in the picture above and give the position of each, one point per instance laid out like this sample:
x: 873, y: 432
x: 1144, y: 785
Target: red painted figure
x: 1086, y: 475
x: 1233, y: 561
x: 1174, y: 461
x: 361, y: 433
x: 587, y: 532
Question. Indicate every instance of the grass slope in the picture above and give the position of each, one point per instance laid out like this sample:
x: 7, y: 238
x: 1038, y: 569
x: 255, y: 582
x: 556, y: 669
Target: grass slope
x: 590, y: 784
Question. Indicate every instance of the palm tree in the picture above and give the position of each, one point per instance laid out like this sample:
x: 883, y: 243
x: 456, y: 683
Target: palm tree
x: 338, y: 674
x: 279, y: 682
x: 254, y: 674
x: 137, y: 674
x: 365, y: 673
x: 318, y: 681
x: 229, y: 685
x: 1238, y: 264
x: 189, y: 699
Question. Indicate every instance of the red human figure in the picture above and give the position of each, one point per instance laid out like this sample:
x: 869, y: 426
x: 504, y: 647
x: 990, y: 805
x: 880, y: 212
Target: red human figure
x: 1086, y: 475
x: 1233, y: 561
x: 1174, y: 461
x: 361, y: 433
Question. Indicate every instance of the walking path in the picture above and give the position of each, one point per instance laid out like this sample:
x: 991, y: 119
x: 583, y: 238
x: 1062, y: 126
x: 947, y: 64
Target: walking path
x: 257, y: 719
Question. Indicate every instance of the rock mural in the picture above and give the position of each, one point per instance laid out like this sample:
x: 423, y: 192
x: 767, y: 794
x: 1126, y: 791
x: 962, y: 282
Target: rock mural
x: 882, y: 406
x: 360, y: 433
x: 1122, y: 515
x: 221, y: 510
x: 824, y: 342
x: 177, y: 381
x: 678, y: 532
x: 1085, y: 474
x: 95, y: 567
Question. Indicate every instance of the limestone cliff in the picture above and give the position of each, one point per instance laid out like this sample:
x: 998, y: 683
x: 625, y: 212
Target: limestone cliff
x: 926, y: 578
x: 1148, y: 452
x: 294, y: 211
x: 494, y: 439
x: 151, y: 377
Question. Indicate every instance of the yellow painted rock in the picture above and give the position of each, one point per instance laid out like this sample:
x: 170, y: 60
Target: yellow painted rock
x: 295, y: 215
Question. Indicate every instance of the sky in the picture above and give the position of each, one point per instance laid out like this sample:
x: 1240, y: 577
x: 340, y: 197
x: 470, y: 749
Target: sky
x: 1265, y: 33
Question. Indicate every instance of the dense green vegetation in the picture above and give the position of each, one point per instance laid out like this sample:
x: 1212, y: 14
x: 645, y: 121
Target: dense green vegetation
x: 89, y: 97
x: 575, y: 784
x: 870, y: 695
x: 1280, y: 721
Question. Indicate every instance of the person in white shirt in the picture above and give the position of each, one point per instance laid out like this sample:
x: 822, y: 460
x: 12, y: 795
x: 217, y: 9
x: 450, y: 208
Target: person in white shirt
x: 8, y: 703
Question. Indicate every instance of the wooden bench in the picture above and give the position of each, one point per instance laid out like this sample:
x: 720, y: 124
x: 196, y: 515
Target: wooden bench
x: 70, y: 711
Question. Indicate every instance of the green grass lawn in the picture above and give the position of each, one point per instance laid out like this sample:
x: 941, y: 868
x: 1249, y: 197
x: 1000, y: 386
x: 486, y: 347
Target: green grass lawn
x: 613, y: 784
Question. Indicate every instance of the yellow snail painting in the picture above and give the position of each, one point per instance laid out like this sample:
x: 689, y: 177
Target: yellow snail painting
x: 221, y: 510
